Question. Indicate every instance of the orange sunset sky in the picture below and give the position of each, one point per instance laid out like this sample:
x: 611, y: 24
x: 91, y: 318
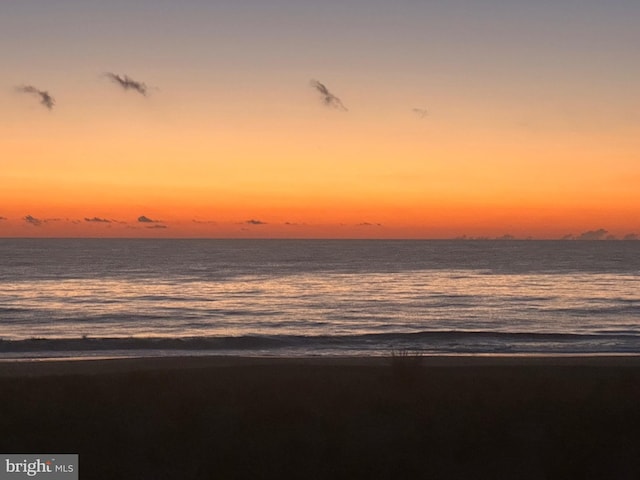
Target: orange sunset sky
x: 477, y: 118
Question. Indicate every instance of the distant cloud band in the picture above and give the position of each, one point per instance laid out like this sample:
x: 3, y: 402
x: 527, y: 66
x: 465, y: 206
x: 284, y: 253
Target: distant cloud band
x: 593, y: 234
x: 97, y: 220
x: 31, y: 220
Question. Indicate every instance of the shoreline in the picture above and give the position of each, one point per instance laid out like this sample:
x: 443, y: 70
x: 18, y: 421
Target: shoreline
x: 16, y: 367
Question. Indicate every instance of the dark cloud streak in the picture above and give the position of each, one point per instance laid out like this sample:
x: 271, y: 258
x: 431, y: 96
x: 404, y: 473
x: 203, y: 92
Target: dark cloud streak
x: 128, y: 83
x: 45, y: 98
x: 328, y: 98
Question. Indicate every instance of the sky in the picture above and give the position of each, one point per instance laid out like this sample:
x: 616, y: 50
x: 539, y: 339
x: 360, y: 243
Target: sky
x: 345, y: 119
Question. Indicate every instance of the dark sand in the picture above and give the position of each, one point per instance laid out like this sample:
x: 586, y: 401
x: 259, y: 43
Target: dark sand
x: 224, y: 418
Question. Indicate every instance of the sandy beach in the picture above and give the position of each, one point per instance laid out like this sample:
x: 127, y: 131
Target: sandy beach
x: 229, y: 417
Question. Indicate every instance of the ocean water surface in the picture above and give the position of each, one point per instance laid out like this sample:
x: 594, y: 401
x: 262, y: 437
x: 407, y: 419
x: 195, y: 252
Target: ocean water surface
x: 90, y: 297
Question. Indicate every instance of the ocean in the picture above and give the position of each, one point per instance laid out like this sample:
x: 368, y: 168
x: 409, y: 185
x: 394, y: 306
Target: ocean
x: 88, y: 298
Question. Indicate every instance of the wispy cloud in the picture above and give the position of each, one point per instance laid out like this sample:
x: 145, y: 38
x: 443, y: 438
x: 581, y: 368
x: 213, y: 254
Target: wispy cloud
x: 328, y: 98
x: 3, y: 218
x: 31, y: 220
x: 631, y: 236
x: 97, y: 220
x: 45, y: 98
x: 128, y: 83
x: 255, y: 222
x: 421, y: 112
x: 368, y: 224
x: 157, y: 226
